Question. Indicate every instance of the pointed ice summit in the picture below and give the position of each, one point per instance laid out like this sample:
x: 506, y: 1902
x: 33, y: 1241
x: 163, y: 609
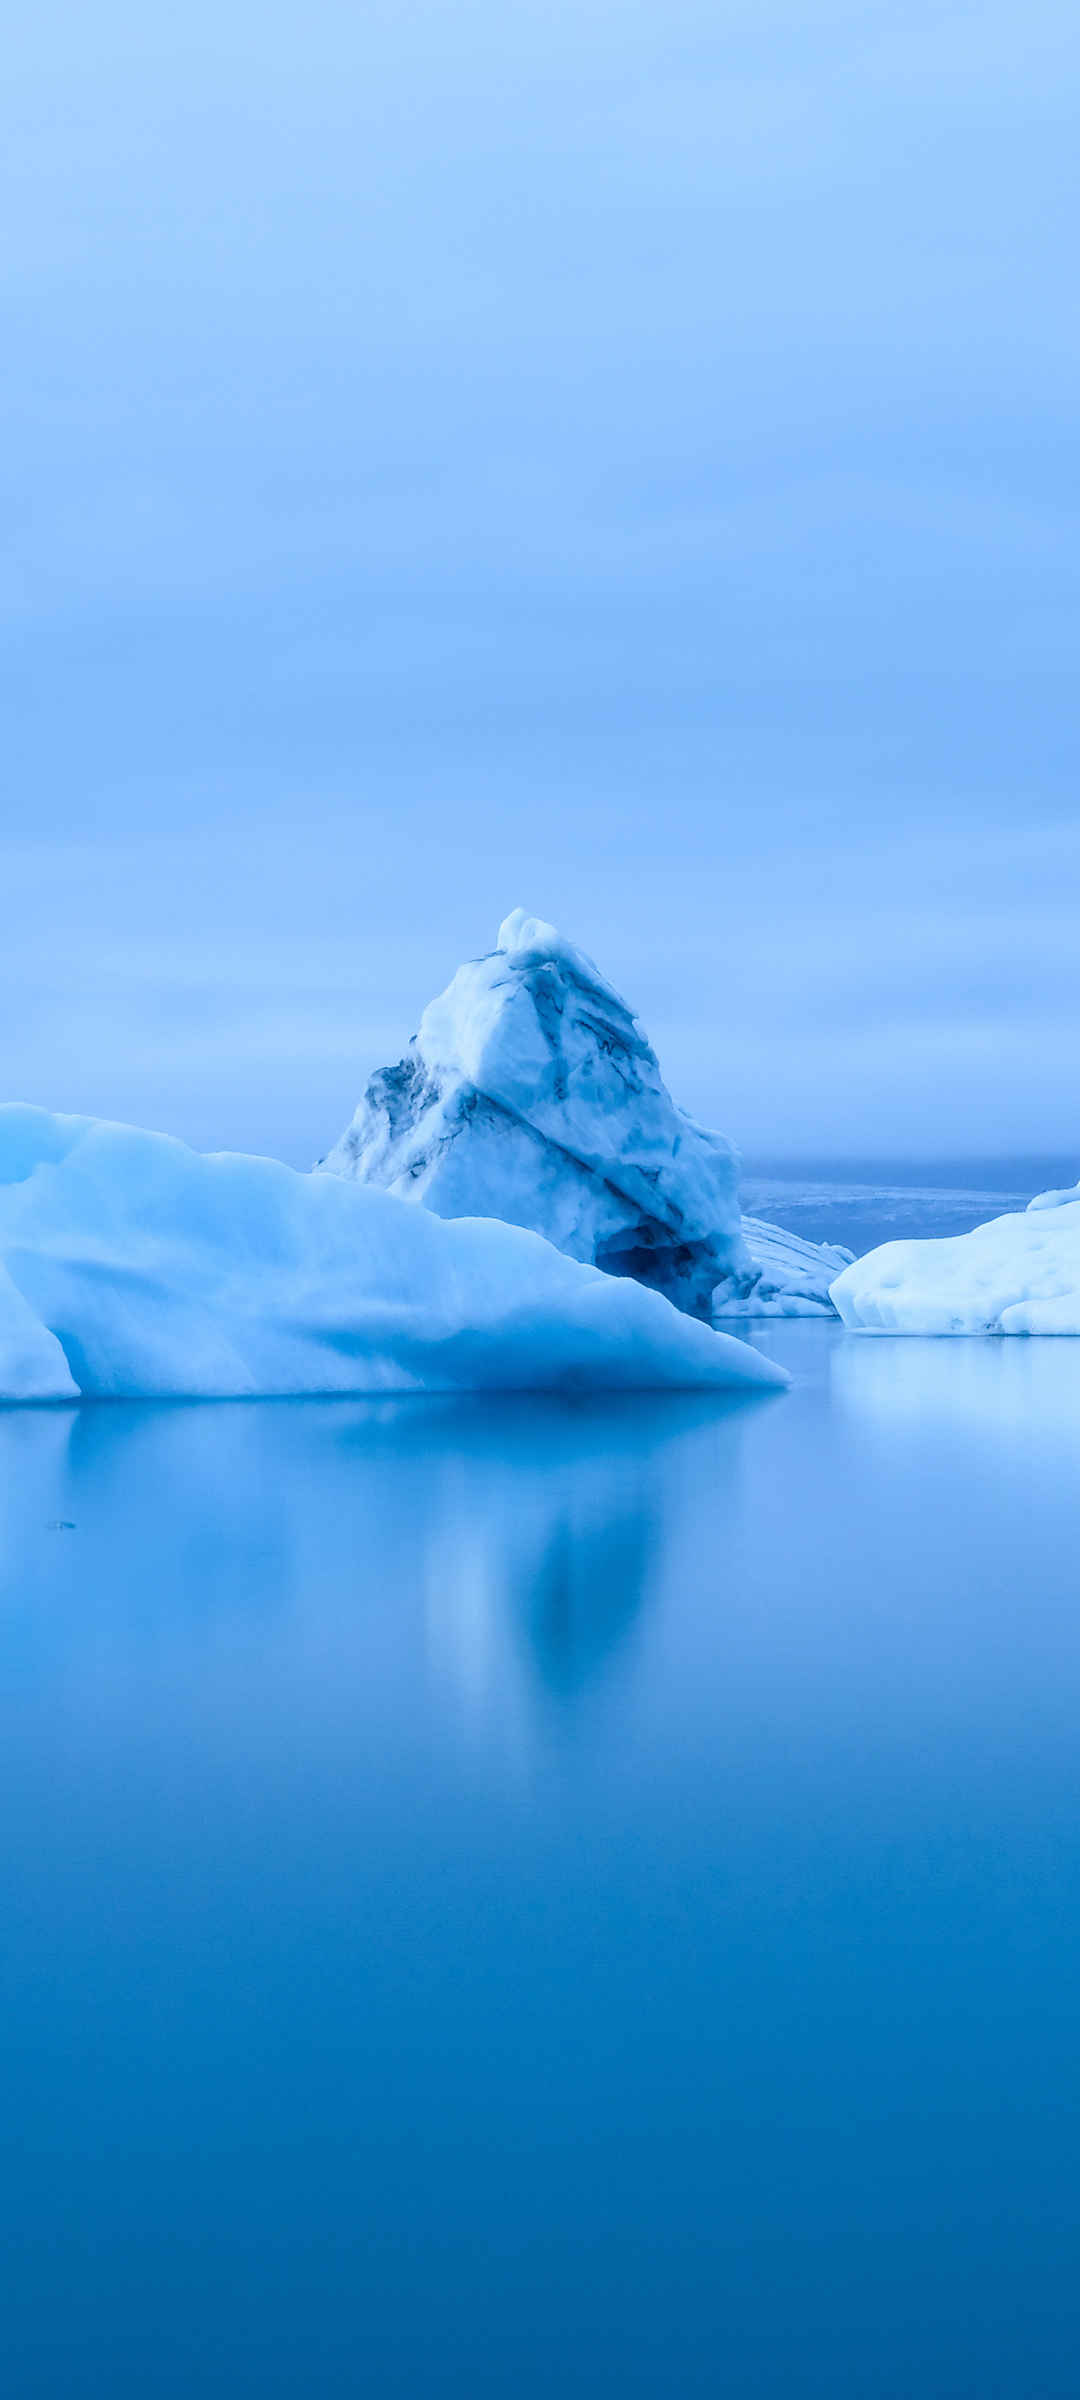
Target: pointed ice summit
x: 530, y: 1093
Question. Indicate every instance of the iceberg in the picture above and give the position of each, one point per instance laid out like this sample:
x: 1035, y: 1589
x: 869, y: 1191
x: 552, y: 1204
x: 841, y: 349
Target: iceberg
x: 1018, y: 1273
x: 134, y: 1267
x: 789, y: 1277
x: 530, y: 1094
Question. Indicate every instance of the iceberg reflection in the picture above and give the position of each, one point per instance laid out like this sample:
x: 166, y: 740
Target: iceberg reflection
x: 546, y: 1533
x: 1019, y: 1391
x: 525, y: 1534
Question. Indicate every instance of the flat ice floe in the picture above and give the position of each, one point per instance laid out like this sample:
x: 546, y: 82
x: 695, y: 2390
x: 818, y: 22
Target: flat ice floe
x: 134, y: 1268
x: 1017, y: 1274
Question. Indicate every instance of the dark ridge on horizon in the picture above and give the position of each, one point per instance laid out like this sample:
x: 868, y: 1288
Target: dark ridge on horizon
x: 990, y: 1174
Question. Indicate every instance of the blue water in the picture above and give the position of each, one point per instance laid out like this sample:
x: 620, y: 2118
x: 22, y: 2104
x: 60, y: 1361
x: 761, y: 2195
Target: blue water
x: 515, y: 1898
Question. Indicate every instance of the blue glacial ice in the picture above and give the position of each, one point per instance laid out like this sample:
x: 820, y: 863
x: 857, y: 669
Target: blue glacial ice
x: 531, y: 1094
x: 131, y: 1266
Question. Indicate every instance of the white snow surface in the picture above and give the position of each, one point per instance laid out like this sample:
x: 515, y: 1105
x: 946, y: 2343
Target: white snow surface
x: 1017, y: 1274
x: 531, y: 1094
x: 133, y: 1267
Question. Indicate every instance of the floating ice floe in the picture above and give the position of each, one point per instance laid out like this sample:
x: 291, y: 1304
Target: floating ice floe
x: 531, y: 1094
x: 1017, y: 1274
x: 132, y: 1267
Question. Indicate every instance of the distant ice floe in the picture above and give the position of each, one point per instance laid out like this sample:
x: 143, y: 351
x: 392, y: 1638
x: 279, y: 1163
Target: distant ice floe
x: 1017, y: 1274
x: 133, y: 1267
x: 531, y: 1094
x: 791, y: 1276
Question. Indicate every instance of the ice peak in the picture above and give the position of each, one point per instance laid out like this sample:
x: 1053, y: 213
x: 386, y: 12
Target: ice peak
x: 531, y: 1093
x: 529, y: 942
x: 519, y: 931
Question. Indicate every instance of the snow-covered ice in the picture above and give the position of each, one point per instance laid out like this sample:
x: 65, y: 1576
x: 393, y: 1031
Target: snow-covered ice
x: 1055, y: 1199
x: 531, y: 1094
x: 1017, y: 1274
x: 131, y: 1266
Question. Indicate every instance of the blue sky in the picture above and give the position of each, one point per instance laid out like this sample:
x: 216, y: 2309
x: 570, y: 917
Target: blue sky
x: 616, y: 460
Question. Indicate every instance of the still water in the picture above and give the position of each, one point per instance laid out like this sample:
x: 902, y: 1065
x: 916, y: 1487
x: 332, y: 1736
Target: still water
x: 523, y: 1898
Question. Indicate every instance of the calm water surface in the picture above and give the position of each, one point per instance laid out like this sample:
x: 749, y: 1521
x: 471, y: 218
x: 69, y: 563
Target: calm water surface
x: 531, y: 1898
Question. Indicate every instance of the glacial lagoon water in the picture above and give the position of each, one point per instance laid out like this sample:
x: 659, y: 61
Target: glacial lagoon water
x: 516, y: 1897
